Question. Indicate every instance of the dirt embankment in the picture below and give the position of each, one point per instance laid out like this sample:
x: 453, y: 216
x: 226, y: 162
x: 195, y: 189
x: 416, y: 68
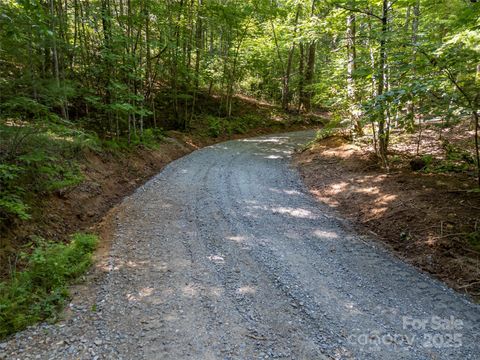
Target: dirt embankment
x: 108, y: 178
x: 429, y: 219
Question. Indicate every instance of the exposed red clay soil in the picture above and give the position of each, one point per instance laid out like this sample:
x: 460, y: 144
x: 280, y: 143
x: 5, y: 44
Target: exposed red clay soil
x: 425, y: 218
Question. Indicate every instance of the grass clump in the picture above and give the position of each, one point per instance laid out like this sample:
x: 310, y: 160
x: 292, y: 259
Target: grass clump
x: 39, y: 291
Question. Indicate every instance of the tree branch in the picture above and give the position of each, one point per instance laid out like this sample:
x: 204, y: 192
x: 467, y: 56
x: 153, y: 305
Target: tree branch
x: 360, y: 11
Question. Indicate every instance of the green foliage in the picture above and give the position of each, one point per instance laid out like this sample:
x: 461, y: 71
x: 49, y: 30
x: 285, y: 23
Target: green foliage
x: 454, y: 153
x: 395, y: 159
x: 474, y: 240
x: 13, y: 204
x: 40, y: 290
x: 456, y: 160
x: 427, y: 159
x: 333, y: 128
x: 35, y: 160
x: 217, y: 126
x: 151, y: 138
x: 116, y: 145
x: 11, y: 201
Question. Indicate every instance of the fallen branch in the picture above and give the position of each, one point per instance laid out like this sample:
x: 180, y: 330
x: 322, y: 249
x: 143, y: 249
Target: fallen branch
x: 468, y: 285
x: 449, y: 235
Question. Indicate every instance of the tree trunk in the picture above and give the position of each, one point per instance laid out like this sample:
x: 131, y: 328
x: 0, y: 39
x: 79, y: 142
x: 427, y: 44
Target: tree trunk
x: 415, y: 21
x: 475, y: 118
x: 310, y: 71
x: 301, y: 76
x: 56, y: 67
x: 288, y: 70
x: 382, y: 73
x: 477, y: 151
x: 198, y: 52
x: 107, y: 53
x: 351, y: 67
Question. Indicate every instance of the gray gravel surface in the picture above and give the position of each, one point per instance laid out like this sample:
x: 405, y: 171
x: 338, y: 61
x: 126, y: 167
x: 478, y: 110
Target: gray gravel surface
x: 225, y: 255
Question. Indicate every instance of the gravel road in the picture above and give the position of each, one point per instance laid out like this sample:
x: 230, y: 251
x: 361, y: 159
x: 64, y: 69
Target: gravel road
x: 225, y: 255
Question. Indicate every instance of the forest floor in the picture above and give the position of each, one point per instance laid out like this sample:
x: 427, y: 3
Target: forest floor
x: 429, y: 218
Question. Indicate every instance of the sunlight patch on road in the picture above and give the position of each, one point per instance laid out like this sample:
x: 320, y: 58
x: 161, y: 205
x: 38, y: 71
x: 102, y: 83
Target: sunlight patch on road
x: 189, y: 290
x: 339, y: 187
x: 247, y: 289
x: 145, y: 292
x: 325, y: 234
x: 277, y: 139
x: 217, y: 259
x: 125, y: 265
x: 216, y: 291
x: 285, y: 191
x: 369, y: 190
x: 295, y: 212
x: 385, y: 199
x: 238, y: 239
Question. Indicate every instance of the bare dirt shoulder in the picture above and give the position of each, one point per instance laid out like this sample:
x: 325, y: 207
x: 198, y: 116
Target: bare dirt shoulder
x: 426, y: 219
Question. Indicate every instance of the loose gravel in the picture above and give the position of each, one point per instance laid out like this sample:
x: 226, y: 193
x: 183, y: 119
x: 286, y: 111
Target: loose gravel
x: 225, y: 255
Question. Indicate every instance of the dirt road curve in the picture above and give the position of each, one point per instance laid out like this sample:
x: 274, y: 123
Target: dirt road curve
x: 224, y: 255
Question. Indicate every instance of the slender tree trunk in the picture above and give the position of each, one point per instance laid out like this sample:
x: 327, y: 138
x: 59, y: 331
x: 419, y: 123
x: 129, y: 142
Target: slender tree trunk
x: 351, y: 67
x: 198, y: 52
x: 310, y: 71
x: 373, y: 64
x: 174, y: 65
x: 477, y: 151
x: 374, y: 82
x: 233, y: 75
x: 415, y: 22
x: 475, y: 106
x: 288, y: 70
x: 31, y: 70
x: 55, y: 55
x: 301, y: 76
x: 382, y: 67
x: 107, y: 54
x: 280, y: 59
x: 149, y: 97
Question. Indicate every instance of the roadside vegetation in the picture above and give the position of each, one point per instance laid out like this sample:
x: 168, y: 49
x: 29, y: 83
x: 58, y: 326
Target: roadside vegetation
x: 40, y: 289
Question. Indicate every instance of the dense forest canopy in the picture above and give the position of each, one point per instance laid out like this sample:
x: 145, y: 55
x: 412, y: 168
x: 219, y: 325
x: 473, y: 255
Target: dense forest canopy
x: 121, y: 69
x: 104, y: 62
x: 111, y: 64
